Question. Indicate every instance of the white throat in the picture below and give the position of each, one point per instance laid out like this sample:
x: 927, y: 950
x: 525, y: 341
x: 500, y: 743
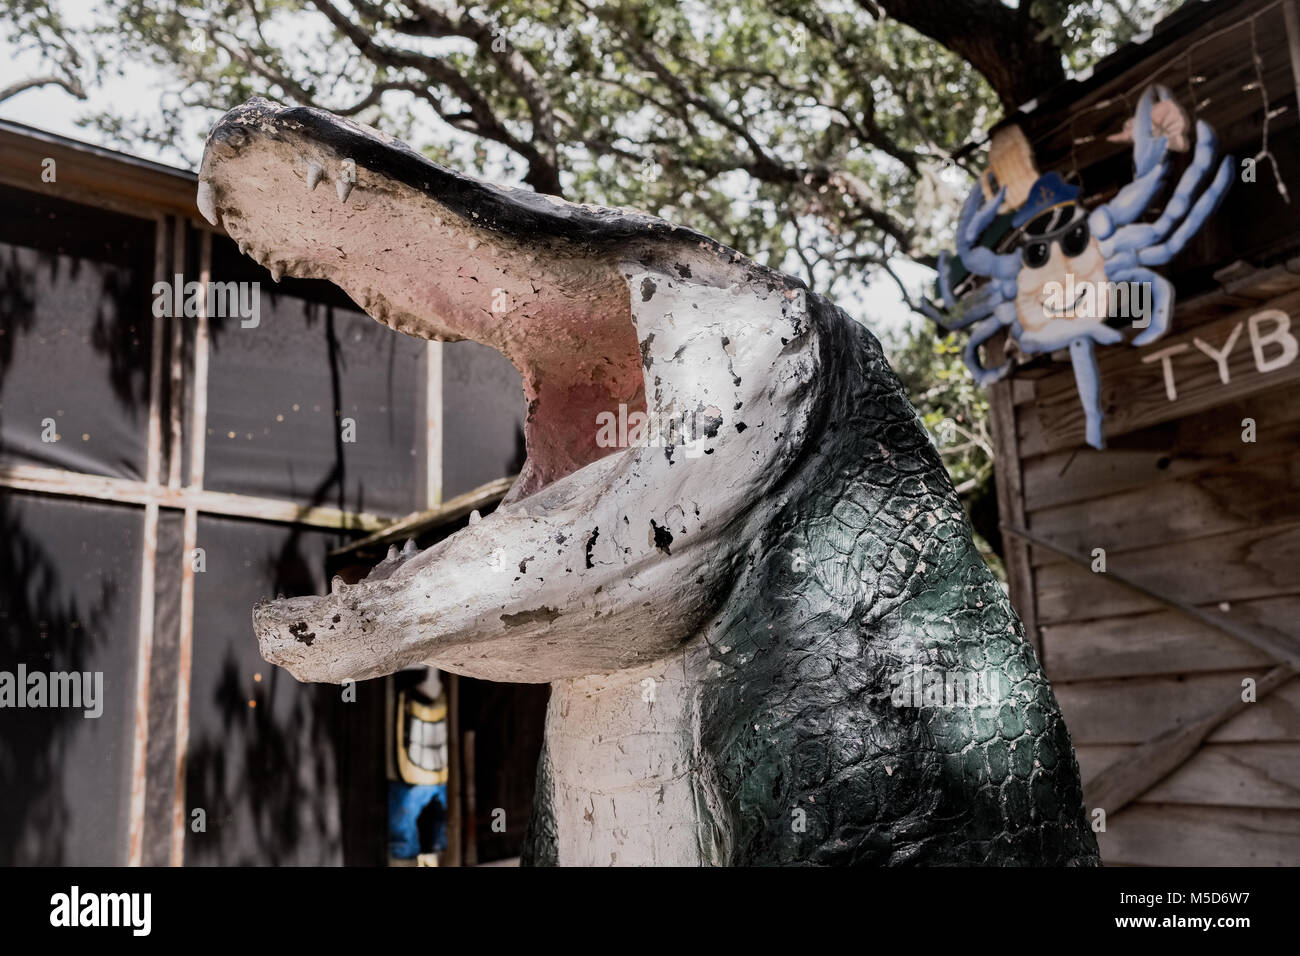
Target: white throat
x: 630, y: 786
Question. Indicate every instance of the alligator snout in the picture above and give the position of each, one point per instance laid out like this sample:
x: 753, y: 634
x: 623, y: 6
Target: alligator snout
x: 310, y: 637
x: 291, y: 630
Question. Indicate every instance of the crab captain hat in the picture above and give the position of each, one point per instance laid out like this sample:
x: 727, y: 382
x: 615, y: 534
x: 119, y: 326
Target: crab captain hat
x: 1048, y: 192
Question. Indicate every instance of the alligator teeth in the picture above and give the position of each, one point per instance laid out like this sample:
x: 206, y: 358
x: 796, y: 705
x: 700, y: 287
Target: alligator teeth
x: 207, y: 202
x: 345, y: 187
x: 314, y: 174
x: 277, y: 271
x: 409, y: 549
x: 475, y: 517
x: 392, y: 553
x: 243, y: 247
x: 337, y: 584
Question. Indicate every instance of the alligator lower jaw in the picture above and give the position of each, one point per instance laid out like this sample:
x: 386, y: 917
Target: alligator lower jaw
x: 286, y: 186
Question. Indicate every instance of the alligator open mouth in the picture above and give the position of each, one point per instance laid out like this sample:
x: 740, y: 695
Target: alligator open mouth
x: 436, y: 255
x: 556, y: 287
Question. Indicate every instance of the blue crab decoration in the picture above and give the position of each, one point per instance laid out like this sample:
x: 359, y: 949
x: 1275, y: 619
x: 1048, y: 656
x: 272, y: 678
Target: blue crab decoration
x: 1063, y: 249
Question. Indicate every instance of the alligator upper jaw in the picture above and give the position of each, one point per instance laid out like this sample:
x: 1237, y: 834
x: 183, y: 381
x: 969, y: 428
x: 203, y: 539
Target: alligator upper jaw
x: 440, y: 256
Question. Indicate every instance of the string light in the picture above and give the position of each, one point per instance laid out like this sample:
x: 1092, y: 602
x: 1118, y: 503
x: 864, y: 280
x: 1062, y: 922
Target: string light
x: 1264, y: 151
x: 1191, y: 81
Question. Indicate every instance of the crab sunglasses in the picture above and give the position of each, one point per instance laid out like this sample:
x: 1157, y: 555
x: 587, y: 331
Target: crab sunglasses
x: 1072, y: 237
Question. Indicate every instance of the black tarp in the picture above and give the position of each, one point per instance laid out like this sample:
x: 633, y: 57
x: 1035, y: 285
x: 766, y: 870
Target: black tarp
x: 262, y: 763
x: 482, y: 417
x: 70, y: 602
x: 75, y: 333
x: 265, y: 754
x: 278, y: 394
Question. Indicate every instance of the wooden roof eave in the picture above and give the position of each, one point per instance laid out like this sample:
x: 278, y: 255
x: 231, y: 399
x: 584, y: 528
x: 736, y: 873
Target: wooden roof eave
x: 95, y: 175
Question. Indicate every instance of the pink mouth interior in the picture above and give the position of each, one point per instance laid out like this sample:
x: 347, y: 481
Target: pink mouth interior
x: 576, y: 363
x: 561, y: 315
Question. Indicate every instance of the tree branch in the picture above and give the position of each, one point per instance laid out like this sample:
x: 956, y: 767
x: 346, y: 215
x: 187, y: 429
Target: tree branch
x: 70, y: 84
x: 542, y: 172
x: 1003, y: 43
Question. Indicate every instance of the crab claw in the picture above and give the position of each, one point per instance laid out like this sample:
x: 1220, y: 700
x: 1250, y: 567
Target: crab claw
x: 1003, y: 316
x: 975, y: 218
x: 1148, y: 150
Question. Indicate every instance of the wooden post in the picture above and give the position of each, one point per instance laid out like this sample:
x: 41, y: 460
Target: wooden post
x: 471, y: 803
x: 454, y: 816
x: 433, y: 424
x: 185, y: 658
x: 1011, y: 504
x: 148, y: 560
x: 1293, y: 40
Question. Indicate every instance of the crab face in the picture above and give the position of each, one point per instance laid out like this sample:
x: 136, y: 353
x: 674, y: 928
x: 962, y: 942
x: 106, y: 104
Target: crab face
x: 600, y: 557
x: 1063, y: 275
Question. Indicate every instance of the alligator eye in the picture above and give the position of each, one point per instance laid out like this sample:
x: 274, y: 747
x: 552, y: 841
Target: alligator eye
x: 1036, y: 254
x: 1076, y: 240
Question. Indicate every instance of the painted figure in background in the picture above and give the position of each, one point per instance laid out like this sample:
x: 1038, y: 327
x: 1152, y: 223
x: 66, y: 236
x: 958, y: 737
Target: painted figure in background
x: 417, y: 767
x: 1076, y: 271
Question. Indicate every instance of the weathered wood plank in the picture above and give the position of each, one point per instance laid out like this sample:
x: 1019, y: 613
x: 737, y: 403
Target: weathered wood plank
x: 1165, y: 452
x: 1264, y: 284
x: 1275, y: 717
x: 1172, y: 378
x: 418, y: 522
x: 1011, y: 505
x: 1234, y: 775
x: 1133, y: 710
x: 1238, y: 566
x: 125, y: 491
x: 96, y: 176
x: 1238, y: 496
x: 1157, y: 757
x: 1163, y: 642
x: 1169, y: 835
x: 1281, y: 645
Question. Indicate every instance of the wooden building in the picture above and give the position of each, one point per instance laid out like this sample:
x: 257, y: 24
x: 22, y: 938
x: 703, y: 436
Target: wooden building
x: 162, y: 471
x: 1194, y: 504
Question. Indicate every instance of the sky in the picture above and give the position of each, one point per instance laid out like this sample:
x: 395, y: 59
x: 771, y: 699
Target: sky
x: 878, y: 303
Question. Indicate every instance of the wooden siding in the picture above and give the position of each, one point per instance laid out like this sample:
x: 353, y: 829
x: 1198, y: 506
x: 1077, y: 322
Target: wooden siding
x: 1182, y: 504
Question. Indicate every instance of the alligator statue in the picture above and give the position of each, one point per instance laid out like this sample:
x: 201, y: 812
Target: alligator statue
x: 768, y: 635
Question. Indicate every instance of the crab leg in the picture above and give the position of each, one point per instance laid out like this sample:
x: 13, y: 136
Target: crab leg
x: 1087, y: 380
x: 1004, y: 315
x: 1162, y: 303
x: 1159, y: 255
